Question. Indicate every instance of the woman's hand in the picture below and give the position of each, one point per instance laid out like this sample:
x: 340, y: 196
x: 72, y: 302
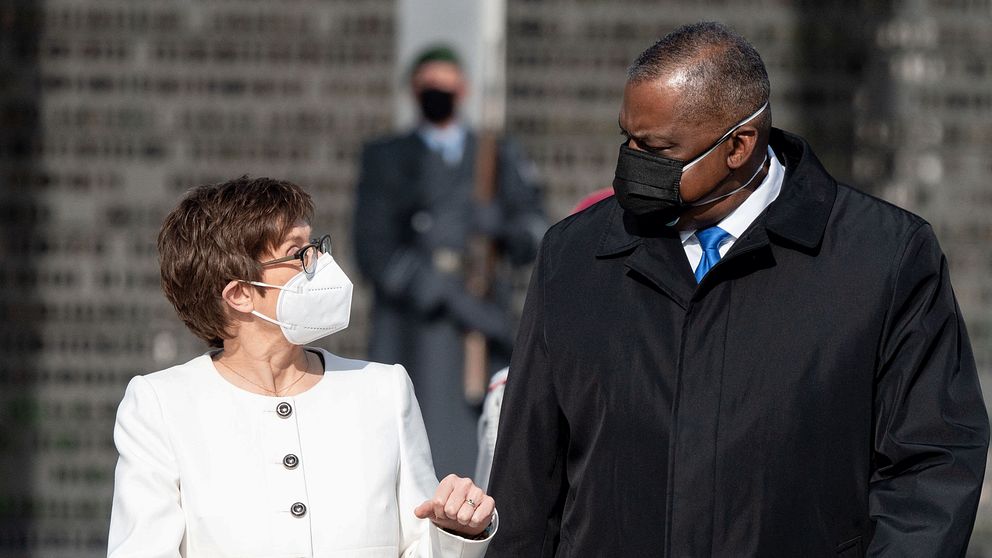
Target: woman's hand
x: 458, y: 506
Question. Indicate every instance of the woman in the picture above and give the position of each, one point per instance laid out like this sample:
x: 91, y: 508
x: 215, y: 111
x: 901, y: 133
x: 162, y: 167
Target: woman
x: 263, y: 447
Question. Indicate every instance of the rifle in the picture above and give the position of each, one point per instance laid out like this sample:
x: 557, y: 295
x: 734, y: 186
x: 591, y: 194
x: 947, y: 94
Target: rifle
x: 482, y: 251
x: 482, y: 260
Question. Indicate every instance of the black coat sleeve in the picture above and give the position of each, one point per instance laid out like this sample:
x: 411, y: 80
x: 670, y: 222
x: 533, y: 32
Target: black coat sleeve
x: 931, y: 429
x: 528, y: 480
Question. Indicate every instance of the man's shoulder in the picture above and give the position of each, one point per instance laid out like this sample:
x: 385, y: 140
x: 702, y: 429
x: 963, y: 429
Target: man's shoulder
x: 389, y: 144
x: 855, y: 208
x: 581, y: 234
x: 588, y: 223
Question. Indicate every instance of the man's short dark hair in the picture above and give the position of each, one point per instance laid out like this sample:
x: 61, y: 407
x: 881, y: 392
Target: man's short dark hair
x: 724, y: 76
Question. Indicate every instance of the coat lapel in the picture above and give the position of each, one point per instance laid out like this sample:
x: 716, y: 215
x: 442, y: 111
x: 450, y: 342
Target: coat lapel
x: 797, y: 218
x: 652, y: 252
x: 800, y: 213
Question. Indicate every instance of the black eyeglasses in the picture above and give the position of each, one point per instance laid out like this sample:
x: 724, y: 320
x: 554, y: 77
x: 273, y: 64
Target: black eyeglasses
x: 308, y: 254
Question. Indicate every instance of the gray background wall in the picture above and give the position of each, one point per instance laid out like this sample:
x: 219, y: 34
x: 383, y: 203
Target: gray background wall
x: 110, y: 109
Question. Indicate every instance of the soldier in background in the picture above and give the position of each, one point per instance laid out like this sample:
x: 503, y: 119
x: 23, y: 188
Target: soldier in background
x: 414, y: 217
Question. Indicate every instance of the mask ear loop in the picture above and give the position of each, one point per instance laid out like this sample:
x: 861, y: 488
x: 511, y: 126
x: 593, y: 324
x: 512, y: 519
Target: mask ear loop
x: 735, y: 190
x: 270, y: 286
x: 718, y: 198
x: 715, y: 145
x: 724, y: 137
x: 272, y: 320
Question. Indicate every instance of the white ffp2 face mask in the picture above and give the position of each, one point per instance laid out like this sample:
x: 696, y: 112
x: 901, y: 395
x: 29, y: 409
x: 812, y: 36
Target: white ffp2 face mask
x: 312, y: 307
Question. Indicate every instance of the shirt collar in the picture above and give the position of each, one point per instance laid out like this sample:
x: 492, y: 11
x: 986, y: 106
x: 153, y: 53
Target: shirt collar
x: 435, y: 136
x: 741, y: 218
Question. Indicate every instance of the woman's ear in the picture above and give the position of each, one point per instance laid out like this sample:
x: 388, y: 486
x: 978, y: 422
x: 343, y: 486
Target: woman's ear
x: 238, y: 297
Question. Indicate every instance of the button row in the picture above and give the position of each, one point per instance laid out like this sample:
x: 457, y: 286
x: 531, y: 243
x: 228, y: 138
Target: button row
x: 291, y: 461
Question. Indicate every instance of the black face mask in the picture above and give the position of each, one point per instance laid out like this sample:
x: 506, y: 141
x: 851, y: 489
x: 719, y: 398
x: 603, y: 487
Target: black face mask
x: 648, y: 184
x: 437, y: 105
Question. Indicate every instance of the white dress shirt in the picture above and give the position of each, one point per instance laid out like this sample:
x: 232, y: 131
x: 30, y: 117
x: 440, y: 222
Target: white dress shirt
x: 741, y: 218
x: 207, y: 469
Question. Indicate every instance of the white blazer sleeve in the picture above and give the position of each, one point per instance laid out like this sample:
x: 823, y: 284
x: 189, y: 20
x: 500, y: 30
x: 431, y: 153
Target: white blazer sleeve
x: 146, y: 519
x: 420, y: 538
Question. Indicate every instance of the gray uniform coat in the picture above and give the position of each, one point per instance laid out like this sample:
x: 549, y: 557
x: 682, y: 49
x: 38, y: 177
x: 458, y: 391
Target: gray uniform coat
x: 414, y: 216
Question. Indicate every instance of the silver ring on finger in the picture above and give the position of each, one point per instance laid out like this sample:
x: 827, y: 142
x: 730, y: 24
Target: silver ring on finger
x: 470, y: 502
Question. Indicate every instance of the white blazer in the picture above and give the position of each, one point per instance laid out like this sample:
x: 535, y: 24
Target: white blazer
x: 210, y: 470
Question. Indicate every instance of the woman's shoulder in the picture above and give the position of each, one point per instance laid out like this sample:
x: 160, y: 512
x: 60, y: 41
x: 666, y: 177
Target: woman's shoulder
x: 337, y: 364
x: 179, y: 378
x: 376, y: 375
x: 149, y: 397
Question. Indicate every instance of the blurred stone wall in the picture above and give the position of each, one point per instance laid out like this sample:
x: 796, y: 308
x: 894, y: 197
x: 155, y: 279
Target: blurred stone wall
x: 110, y: 109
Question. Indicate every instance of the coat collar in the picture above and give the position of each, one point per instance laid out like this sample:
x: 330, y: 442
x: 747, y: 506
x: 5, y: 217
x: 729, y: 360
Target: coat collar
x: 415, y: 139
x: 801, y: 212
x: 799, y: 215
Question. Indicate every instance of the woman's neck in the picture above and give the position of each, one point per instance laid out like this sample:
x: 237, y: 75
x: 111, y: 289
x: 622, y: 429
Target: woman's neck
x: 273, y: 368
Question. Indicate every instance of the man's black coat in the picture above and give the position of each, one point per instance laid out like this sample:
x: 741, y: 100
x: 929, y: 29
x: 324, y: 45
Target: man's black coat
x: 815, y: 395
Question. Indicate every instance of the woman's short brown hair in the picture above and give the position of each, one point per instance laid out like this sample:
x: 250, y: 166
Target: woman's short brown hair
x: 218, y: 233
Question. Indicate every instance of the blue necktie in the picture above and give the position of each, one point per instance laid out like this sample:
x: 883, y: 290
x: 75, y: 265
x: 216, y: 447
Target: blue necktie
x: 710, y: 240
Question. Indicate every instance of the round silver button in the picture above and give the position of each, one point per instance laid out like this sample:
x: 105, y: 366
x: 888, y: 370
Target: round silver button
x: 290, y: 461
x: 298, y: 509
x: 284, y: 409
x: 422, y: 222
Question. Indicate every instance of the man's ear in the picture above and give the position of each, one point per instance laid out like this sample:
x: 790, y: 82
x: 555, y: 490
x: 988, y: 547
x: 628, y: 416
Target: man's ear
x: 742, y: 146
x: 238, y: 296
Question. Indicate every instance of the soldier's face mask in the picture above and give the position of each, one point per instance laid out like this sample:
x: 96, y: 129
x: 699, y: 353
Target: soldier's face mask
x: 646, y: 183
x: 437, y: 105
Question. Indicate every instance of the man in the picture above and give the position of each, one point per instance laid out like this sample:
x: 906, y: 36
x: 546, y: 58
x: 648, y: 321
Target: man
x: 416, y: 211
x: 736, y: 355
